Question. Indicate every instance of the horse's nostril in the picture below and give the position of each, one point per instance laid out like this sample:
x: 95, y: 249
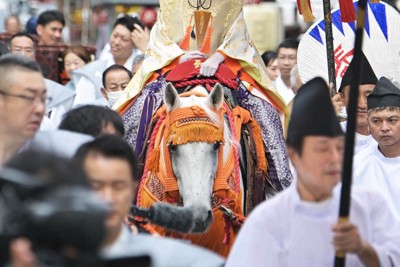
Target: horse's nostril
x: 210, y: 215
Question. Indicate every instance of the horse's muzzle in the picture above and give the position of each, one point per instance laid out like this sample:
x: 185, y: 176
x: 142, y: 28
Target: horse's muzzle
x: 201, y: 224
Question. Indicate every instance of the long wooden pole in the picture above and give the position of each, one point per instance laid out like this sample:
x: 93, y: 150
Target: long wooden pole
x: 329, y: 45
x: 344, y: 209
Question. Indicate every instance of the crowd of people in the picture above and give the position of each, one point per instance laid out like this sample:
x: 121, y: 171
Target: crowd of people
x: 86, y: 136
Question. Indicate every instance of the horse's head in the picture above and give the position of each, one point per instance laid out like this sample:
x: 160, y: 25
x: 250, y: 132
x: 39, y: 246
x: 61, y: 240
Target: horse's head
x: 195, y: 162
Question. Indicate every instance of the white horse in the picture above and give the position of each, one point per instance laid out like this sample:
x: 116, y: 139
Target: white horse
x: 197, y: 166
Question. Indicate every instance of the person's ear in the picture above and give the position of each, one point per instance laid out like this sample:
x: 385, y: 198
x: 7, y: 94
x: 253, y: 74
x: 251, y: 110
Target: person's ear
x: 293, y: 155
x: 104, y: 93
x: 39, y: 29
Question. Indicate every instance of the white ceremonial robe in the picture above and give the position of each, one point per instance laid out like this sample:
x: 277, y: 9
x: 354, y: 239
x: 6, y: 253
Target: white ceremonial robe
x: 372, y: 169
x: 286, y: 231
x: 285, y: 92
x: 361, y: 141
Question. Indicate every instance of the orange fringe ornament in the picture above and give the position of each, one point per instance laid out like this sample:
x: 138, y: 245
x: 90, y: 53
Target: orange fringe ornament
x: 243, y: 116
x: 347, y: 11
x: 186, y: 38
x: 374, y: 1
x: 194, y: 132
x: 153, y: 162
x: 259, y: 146
x: 304, y: 7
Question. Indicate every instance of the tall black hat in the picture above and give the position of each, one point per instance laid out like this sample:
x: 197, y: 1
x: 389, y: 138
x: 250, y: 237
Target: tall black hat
x: 385, y: 94
x: 313, y: 112
x: 367, y: 74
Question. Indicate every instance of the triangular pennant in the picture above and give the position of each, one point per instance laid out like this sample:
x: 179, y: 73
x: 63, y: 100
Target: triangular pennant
x: 337, y: 22
x: 379, y: 12
x: 366, y: 26
x: 317, y: 36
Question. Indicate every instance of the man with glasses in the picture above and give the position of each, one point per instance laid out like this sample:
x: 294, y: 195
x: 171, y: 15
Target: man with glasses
x: 23, y: 98
x: 62, y: 98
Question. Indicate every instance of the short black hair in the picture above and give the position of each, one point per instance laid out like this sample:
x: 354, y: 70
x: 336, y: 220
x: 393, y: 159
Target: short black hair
x: 296, y: 143
x: 110, y: 146
x: 50, y: 16
x: 113, y: 68
x: 269, y: 56
x: 289, y: 43
x: 91, y: 119
x: 22, y: 34
x: 128, y: 21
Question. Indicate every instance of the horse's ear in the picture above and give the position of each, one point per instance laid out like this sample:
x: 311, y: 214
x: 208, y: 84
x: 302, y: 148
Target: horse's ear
x: 216, y: 97
x: 171, y: 97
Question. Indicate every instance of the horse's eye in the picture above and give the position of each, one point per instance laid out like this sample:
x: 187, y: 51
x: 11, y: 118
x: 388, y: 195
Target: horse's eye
x: 217, y: 145
x: 172, y: 148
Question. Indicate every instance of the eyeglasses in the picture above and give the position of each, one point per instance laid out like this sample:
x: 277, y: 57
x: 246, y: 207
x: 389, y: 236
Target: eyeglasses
x: 30, y: 100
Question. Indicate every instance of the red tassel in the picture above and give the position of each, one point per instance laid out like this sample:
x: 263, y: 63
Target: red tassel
x: 227, y: 230
x: 348, y: 14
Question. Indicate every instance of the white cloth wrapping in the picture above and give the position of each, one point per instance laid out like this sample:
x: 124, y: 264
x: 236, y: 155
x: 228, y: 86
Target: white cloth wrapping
x: 287, y: 232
